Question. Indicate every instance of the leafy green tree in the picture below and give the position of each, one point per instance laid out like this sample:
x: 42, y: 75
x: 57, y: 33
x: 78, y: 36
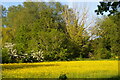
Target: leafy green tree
x: 10, y: 19
x: 7, y: 34
x: 40, y: 29
x: 108, y: 32
x: 51, y: 43
x: 111, y: 7
x: 5, y: 56
x: 45, y: 32
x: 76, y: 31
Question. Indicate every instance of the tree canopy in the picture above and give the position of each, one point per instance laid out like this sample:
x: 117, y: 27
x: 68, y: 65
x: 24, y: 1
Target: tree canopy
x: 111, y: 7
x: 50, y: 31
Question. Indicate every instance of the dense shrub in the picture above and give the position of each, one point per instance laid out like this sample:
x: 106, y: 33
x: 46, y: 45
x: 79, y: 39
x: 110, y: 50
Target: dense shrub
x: 5, y: 56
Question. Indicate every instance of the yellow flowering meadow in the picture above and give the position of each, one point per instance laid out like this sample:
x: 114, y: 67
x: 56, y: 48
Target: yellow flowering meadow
x: 73, y: 69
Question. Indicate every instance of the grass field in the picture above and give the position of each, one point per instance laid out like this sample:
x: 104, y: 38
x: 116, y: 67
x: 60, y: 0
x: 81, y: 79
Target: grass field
x: 73, y: 69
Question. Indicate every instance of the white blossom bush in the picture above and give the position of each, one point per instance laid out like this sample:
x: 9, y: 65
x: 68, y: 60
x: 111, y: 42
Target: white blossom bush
x: 38, y: 55
x: 34, y: 56
x: 11, y: 51
x: 13, y: 54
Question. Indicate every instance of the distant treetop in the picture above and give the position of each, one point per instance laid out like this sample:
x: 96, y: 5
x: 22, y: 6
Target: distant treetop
x: 111, y: 7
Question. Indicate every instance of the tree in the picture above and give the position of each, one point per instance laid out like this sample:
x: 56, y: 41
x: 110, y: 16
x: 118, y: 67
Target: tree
x: 45, y: 32
x: 51, y: 44
x: 7, y: 34
x: 76, y: 30
x: 40, y: 29
x: 111, y: 7
x: 108, y: 32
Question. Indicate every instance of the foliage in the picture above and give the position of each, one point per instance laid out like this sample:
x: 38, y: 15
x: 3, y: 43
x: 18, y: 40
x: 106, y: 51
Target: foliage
x: 63, y: 77
x: 108, y: 32
x: 50, y: 31
x: 7, y: 34
x: 51, y: 43
x: 75, y: 27
x: 5, y: 56
x: 111, y: 7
